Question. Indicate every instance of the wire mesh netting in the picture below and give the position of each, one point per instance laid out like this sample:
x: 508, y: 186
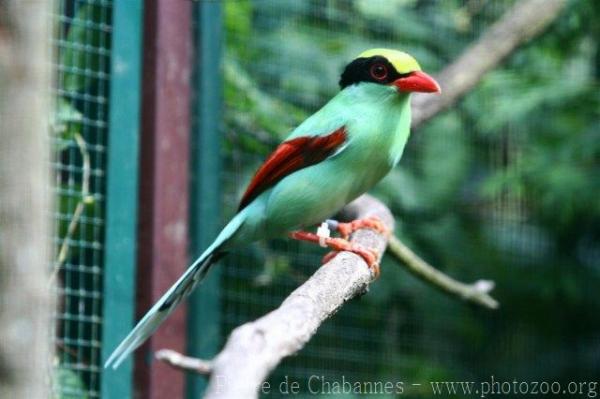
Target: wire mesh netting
x: 79, y: 136
x: 470, y: 195
x: 476, y: 193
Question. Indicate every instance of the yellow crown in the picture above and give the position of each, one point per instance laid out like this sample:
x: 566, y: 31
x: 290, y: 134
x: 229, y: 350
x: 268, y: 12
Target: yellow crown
x: 403, y: 62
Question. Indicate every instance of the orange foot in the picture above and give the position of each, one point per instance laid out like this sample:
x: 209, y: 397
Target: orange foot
x: 339, y: 244
x: 373, y: 223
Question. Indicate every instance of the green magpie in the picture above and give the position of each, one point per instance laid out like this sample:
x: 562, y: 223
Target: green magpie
x: 330, y: 159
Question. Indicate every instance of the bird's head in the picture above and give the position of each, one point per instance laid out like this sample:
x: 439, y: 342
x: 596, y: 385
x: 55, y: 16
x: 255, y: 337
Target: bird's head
x: 391, y: 68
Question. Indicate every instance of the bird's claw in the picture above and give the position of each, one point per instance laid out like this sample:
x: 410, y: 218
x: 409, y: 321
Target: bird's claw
x: 373, y: 223
x: 370, y: 256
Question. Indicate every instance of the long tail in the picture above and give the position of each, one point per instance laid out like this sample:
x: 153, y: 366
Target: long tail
x: 178, y: 292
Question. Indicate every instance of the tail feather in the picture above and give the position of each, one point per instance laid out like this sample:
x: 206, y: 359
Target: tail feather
x: 173, y: 297
x: 160, y: 311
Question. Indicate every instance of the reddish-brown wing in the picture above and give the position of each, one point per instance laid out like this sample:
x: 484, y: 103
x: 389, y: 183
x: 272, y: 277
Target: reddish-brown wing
x: 289, y: 157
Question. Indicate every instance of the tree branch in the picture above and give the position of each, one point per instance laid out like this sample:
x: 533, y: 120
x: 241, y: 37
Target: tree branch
x: 521, y: 23
x: 477, y: 292
x: 185, y: 363
x: 86, y: 198
x: 256, y: 348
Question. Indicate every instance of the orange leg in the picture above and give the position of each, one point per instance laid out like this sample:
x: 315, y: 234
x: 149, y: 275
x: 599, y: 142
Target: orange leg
x: 346, y: 229
x: 339, y: 244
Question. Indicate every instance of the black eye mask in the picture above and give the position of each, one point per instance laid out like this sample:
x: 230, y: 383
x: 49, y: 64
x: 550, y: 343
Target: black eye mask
x: 376, y: 69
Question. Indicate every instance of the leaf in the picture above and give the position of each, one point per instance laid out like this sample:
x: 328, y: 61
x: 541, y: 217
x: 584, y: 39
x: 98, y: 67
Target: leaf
x: 66, y: 121
x: 84, y: 47
x: 68, y: 384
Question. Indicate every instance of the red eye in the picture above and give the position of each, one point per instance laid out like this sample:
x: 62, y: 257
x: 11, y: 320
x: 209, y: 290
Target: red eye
x: 379, y: 71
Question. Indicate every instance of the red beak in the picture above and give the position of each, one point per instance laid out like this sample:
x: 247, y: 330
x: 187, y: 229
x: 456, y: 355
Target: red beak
x: 419, y: 82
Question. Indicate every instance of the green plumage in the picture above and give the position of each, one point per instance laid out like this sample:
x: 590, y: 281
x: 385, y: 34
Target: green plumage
x: 373, y: 110
x: 377, y: 121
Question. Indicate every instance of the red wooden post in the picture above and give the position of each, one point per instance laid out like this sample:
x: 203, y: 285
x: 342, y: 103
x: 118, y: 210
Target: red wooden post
x: 163, y: 185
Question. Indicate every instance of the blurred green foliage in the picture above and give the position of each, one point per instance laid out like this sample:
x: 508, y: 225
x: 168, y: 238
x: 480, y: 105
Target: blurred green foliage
x: 504, y: 186
x: 67, y: 384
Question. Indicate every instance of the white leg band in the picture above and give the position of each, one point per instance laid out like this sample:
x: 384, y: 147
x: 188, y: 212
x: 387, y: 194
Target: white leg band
x: 323, y: 232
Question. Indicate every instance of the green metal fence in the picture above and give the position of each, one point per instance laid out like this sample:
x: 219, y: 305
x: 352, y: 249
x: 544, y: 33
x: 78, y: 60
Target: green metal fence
x: 95, y: 162
x: 80, y: 140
